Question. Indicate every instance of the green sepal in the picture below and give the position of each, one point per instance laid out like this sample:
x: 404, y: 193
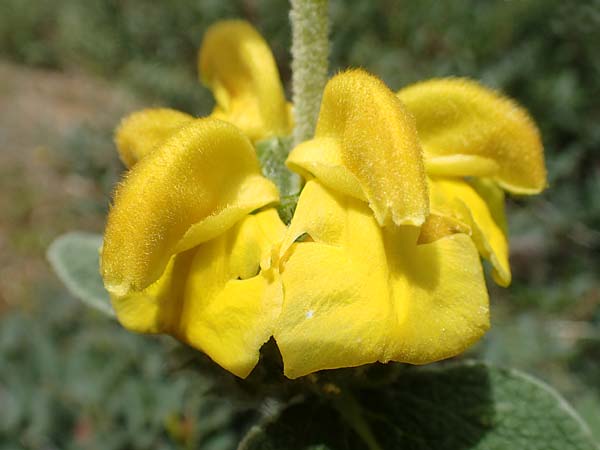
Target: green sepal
x: 272, y: 154
x: 75, y: 258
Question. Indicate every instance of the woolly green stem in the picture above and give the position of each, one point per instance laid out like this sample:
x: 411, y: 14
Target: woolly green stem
x: 310, y: 52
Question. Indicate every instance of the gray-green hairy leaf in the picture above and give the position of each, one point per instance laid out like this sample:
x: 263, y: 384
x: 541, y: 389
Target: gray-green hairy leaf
x: 74, y: 256
x: 272, y: 154
x: 458, y: 407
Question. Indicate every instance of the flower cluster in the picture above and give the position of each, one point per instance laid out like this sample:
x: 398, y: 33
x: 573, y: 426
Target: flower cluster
x: 381, y: 261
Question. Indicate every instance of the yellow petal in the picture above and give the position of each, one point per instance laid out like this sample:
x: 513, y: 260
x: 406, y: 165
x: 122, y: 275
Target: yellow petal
x: 153, y: 309
x: 358, y: 293
x: 366, y: 146
x: 218, y: 297
x: 441, y: 299
x: 196, y: 185
x: 237, y: 65
x: 232, y: 301
x: 140, y: 132
x: 469, y: 130
x: 457, y: 199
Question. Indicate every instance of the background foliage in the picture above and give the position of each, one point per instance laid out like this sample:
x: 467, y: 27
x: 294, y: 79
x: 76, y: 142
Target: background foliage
x: 70, y: 69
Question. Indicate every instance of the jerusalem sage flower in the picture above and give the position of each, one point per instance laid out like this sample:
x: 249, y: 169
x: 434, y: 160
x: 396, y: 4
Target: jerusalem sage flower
x: 381, y: 259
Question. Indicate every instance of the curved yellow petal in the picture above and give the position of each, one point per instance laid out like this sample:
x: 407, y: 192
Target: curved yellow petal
x: 441, y: 297
x: 457, y: 199
x: 366, y: 146
x: 233, y: 298
x: 321, y: 158
x: 153, y: 309
x: 358, y: 293
x: 139, y: 133
x: 469, y: 130
x: 222, y: 297
x: 236, y: 63
x: 196, y: 185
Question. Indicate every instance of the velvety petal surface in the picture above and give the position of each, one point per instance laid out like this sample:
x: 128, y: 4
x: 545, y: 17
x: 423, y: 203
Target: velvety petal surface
x: 366, y: 146
x: 141, y: 132
x: 469, y: 130
x: 236, y: 63
x: 221, y: 297
x: 355, y: 293
x: 459, y: 200
x: 201, y: 181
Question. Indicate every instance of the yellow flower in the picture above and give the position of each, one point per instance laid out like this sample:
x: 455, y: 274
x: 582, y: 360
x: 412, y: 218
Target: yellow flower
x: 360, y: 289
x: 383, y: 271
x: 381, y: 259
x: 190, y: 240
x: 182, y: 252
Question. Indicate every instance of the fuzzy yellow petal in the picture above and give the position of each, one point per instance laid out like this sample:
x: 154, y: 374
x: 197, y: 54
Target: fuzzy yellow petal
x: 457, y: 199
x: 366, y: 146
x: 356, y: 293
x: 236, y: 63
x: 469, y: 130
x: 461, y: 165
x: 197, y: 184
x: 222, y: 297
x: 140, y: 132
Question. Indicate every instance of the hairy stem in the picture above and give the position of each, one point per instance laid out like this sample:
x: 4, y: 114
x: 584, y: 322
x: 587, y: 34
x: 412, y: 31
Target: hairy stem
x: 310, y: 52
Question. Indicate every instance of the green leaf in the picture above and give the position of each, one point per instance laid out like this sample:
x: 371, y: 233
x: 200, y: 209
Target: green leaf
x: 74, y: 256
x: 272, y: 154
x: 455, y: 407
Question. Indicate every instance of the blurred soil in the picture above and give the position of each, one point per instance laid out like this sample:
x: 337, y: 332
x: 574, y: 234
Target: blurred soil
x: 41, y: 196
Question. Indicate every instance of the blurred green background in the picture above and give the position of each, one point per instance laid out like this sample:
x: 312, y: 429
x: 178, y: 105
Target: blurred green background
x: 70, y: 69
